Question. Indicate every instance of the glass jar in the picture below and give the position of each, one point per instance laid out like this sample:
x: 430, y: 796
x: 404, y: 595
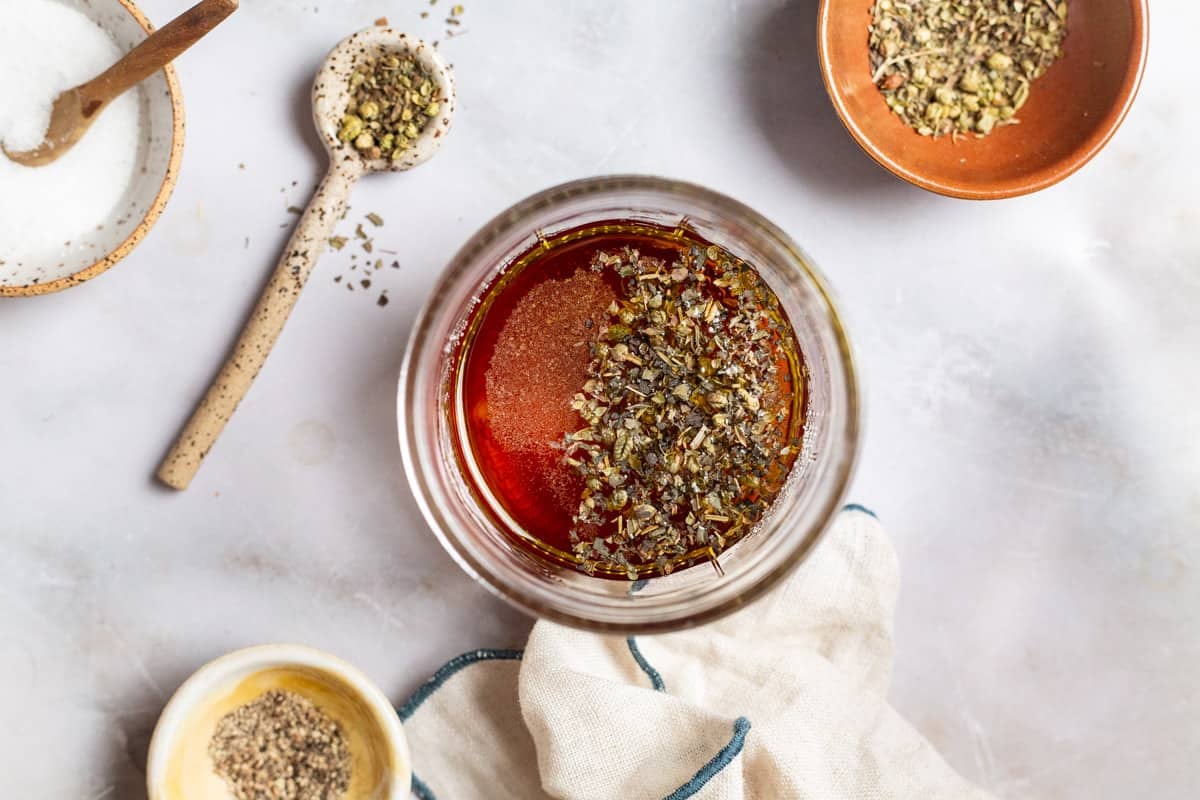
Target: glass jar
x: 467, y: 518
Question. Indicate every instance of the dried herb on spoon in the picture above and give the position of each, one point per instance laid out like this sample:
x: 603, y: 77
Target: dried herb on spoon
x: 393, y: 98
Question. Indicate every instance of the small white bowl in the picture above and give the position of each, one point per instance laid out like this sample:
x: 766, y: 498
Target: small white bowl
x: 179, y: 768
x: 160, y: 152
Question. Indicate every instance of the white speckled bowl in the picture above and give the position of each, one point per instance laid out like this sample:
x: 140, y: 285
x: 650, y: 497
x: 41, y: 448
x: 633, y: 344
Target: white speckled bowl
x: 178, y: 766
x: 162, y: 148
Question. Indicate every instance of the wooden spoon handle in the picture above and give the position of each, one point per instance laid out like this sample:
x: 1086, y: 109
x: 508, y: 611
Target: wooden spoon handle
x: 308, y: 241
x: 159, y: 49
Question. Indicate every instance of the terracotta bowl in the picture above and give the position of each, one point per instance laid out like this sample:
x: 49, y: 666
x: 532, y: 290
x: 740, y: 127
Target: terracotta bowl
x: 157, y: 167
x: 1072, y: 112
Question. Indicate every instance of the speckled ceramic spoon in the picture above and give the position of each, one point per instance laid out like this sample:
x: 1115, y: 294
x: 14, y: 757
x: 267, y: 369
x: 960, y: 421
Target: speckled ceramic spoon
x: 331, y: 94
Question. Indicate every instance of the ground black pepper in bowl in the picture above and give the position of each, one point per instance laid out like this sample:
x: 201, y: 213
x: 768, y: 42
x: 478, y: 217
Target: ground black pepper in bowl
x: 281, y: 746
x: 947, y: 67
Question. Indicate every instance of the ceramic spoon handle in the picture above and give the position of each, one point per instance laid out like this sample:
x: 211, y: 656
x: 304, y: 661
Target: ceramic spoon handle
x: 308, y: 241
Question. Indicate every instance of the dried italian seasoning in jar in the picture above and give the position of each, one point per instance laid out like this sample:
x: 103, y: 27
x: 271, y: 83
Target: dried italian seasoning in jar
x: 685, y: 442
x: 635, y: 398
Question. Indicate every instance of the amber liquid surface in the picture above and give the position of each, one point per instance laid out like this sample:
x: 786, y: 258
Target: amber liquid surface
x: 525, y: 355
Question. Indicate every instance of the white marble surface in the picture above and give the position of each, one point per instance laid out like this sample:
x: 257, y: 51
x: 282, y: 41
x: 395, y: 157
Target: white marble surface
x: 1033, y: 436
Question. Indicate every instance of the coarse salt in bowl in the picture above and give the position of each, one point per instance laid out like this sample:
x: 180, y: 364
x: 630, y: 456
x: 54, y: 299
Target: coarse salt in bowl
x: 68, y: 221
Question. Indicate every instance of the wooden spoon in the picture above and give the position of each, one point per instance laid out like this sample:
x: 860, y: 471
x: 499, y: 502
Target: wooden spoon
x: 76, y: 109
x: 330, y: 97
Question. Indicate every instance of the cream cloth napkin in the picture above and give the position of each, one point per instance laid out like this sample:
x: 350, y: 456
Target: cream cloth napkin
x: 785, y: 699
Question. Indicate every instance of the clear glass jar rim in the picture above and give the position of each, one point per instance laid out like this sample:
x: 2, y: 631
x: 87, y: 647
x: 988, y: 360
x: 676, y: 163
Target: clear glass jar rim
x: 433, y: 500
